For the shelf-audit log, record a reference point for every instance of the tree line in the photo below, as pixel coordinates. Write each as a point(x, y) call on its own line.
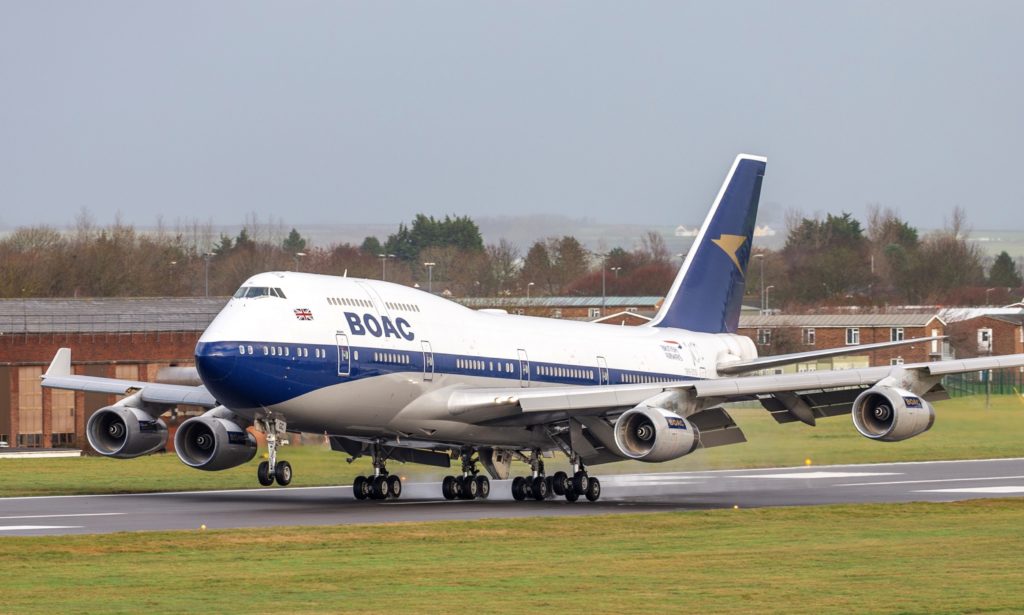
point(832, 260)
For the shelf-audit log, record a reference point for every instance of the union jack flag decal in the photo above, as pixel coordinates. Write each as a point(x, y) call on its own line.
point(304, 314)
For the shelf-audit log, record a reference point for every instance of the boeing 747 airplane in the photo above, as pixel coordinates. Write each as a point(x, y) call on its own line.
point(400, 375)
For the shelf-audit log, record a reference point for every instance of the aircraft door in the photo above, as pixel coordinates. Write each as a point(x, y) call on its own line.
point(602, 368)
point(524, 369)
point(344, 354)
point(428, 362)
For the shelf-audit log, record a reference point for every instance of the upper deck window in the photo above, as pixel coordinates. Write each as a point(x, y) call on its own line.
point(251, 292)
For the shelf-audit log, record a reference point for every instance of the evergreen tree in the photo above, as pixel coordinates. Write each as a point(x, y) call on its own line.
point(1004, 272)
point(294, 243)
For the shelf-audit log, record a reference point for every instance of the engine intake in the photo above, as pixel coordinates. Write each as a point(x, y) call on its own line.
point(890, 414)
point(654, 434)
point(123, 433)
point(212, 443)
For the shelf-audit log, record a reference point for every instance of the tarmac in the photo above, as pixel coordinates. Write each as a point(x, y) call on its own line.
point(932, 481)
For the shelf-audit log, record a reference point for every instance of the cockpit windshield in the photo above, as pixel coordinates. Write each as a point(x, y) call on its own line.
point(252, 292)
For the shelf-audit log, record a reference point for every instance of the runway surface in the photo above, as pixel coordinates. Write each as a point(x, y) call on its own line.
point(937, 481)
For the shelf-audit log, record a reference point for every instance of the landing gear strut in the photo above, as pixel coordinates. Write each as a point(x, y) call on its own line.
point(470, 484)
point(272, 469)
point(381, 485)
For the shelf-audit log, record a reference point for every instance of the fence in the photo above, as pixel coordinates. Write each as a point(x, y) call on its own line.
point(1003, 382)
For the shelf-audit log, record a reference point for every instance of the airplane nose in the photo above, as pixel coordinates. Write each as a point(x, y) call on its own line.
point(214, 363)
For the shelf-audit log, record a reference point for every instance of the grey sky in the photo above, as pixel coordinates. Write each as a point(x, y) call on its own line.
point(340, 112)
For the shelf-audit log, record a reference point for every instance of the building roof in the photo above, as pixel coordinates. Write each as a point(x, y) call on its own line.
point(108, 315)
point(967, 313)
point(558, 302)
point(835, 320)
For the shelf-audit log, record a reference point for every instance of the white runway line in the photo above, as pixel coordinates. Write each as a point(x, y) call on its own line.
point(22, 528)
point(933, 480)
point(1000, 489)
point(817, 475)
point(68, 515)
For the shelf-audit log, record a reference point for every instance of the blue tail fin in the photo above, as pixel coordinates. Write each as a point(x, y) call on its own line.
point(708, 291)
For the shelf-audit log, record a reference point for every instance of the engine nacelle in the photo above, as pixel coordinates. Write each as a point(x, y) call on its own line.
point(890, 414)
point(654, 434)
point(212, 443)
point(124, 433)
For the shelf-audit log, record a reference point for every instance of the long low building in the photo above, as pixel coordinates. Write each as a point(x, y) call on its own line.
point(116, 338)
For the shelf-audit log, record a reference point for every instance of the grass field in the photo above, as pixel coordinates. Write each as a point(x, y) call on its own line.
point(964, 429)
point(908, 558)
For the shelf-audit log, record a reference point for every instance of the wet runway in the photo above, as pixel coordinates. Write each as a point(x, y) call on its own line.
point(936, 481)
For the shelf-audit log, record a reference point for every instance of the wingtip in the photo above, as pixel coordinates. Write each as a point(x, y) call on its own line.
point(61, 364)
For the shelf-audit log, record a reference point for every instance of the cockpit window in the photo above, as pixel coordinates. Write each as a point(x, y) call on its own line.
point(251, 292)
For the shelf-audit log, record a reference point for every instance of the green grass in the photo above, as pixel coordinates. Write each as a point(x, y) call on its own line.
point(964, 429)
point(908, 558)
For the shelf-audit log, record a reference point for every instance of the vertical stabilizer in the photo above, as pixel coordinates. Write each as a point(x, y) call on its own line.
point(708, 291)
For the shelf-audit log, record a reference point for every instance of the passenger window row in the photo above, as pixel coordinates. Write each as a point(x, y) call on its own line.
point(392, 357)
point(282, 351)
point(345, 301)
point(566, 372)
point(408, 307)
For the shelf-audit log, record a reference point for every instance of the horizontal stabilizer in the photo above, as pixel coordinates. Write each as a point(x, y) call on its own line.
point(753, 365)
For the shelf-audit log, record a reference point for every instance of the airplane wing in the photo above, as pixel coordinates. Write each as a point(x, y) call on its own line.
point(59, 376)
point(789, 397)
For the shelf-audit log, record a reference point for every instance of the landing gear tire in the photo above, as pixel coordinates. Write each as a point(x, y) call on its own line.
point(361, 488)
point(559, 482)
point(283, 473)
point(571, 495)
point(468, 487)
point(380, 487)
point(580, 482)
point(263, 474)
point(593, 490)
point(483, 487)
point(519, 488)
point(394, 487)
point(540, 488)
point(448, 488)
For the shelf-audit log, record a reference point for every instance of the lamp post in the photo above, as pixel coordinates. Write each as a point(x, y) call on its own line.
point(616, 270)
point(528, 290)
point(987, 291)
point(760, 257)
point(767, 290)
point(384, 265)
point(206, 276)
point(430, 276)
point(298, 255)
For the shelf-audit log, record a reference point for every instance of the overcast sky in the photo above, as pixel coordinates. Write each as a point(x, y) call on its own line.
point(342, 112)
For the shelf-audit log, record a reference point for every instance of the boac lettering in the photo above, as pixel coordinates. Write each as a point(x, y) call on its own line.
point(384, 327)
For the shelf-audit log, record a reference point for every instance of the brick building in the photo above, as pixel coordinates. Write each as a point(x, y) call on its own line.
point(114, 338)
point(988, 334)
point(786, 333)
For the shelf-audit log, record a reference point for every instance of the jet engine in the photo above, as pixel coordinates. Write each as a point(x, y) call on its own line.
point(213, 443)
point(890, 414)
point(654, 434)
point(124, 433)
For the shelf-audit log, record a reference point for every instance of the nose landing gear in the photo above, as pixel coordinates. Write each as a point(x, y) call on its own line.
point(273, 470)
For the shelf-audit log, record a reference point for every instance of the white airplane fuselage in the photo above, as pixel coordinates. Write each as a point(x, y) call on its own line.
point(366, 358)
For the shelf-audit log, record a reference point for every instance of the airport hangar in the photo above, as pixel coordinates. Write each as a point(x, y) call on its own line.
point(139, 338)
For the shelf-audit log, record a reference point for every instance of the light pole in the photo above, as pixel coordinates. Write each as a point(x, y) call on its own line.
point(760, 257)
point(298, 255)
point(430, 276)
point(987, 291)
point(767, 290)
point(528, 290)
point(384, 265)
point(616, 270)
point(206, 277)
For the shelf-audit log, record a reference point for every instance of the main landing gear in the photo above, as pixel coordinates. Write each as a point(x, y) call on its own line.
point(541, 487)
point(272, 469)
point(381, 485)
point(470, 484)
